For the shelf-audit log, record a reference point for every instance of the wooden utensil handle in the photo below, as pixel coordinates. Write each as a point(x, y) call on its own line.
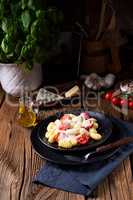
point(114, 145)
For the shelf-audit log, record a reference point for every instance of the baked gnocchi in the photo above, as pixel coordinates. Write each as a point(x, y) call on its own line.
point(72, 130)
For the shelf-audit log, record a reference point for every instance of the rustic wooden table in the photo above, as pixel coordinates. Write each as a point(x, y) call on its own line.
point(19, 163)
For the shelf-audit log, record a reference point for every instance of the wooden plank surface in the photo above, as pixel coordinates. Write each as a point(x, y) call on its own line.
point(19, 163)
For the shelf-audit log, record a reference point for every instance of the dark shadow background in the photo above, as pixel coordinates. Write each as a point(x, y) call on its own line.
point(64, 65)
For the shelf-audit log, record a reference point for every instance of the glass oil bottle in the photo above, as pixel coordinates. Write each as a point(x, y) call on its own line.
point(26, 117)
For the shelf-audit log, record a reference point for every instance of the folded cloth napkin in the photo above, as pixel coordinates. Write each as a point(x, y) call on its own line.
point(84, 179)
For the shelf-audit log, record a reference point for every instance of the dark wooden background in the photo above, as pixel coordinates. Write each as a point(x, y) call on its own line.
point(64, 67)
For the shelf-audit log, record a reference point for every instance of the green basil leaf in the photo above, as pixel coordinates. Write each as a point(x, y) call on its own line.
point(40, 14)
point(31, 5)
point(23, 4)
point(26, 19)
point(35, 28)
point(24, 51)
point(7, 44)
point(7, 26)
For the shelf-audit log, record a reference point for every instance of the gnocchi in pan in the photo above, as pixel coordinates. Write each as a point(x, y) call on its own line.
point(72, 130)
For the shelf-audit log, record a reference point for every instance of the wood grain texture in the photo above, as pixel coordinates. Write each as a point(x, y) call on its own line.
point(19, 163)
point(15, 159)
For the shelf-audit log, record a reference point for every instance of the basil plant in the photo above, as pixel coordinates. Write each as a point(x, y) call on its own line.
point(29, 29)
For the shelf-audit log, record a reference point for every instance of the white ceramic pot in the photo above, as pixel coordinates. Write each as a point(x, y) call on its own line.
point(13, 78)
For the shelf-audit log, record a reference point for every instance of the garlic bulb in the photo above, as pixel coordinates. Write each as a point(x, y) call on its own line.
point(109, 80)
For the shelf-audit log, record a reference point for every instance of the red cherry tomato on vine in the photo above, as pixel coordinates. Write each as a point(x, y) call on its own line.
point(124, 102)
point(130, 104)
point(108, 96)
point(83, 139)
point(115, 101)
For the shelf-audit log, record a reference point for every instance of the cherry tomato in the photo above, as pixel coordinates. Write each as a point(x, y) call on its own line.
point(130, 104)
point(124, 102)
point(115, 101)
point(83, 139)
point(64, 127)
point(108, 96)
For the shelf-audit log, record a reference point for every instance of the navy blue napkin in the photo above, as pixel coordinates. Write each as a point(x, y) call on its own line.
point(84, 179)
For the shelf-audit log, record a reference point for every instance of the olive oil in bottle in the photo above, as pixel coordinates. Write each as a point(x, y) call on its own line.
point(26, 117)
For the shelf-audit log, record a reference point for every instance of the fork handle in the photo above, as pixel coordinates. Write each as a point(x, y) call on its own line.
point(114, 145)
